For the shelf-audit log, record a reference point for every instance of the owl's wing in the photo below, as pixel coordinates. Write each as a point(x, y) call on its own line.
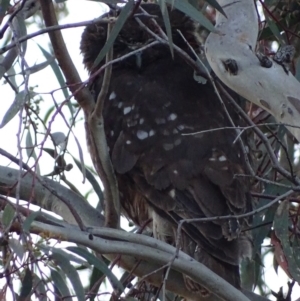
point(161, 129)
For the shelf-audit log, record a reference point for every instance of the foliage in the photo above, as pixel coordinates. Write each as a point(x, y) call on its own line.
point(43, 257)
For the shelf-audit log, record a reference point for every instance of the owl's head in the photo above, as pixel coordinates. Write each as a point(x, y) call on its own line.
point(133, 36)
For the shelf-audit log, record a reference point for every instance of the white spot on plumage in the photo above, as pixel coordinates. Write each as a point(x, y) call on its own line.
point(222, 158)
point(112, 133)
point(151, 133)
point(172, 193)
point(120, 105)
point(142, 120)
point(175, 171)
point(141, 134)
point(180, 127)
point(212, 159)
point(166, 132)
point(126, 110)
point(112, 95)
point(172, 116)
point(128, 142)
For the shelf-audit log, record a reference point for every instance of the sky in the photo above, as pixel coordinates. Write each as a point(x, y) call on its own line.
point(46, 82)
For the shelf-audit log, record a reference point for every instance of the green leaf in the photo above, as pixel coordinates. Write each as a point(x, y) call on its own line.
point(28, 221)
point(250, 271)
point(48, 114)
point(8, 215)
point(11, 73)
point(217, 6)
point(50, 152)
point(83, 170)
point(64, 263)
point(95, 282)
point(61, 285)
point(90, 177)
point(17, 248)
point(281, 228)
point(26, 285)
point(125, 13)
point(20, 30)
point(274, 28)
point(3, 8)
point(40, 288)
point(16, 106)
point(59, 77)
point(99, 265)
point(192, 12)
point(263, 221)
point(39, 67)
point(166, 19)
point(63, 253)
point(30, 151)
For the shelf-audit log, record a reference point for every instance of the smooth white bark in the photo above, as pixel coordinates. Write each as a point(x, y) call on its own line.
point(270, 88)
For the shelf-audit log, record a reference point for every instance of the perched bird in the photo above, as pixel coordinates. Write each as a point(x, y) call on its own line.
point(170, 162)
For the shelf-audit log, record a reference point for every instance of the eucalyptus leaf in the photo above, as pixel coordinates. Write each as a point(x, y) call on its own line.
point(16, 247)
point(64, 263)
point(20, 99)
point(125, 13)
point(281, 228)
point(28, 221)
point(192, 12)
point(60, 284)
point(8, 215)
point(99, 265)
point(26, 284)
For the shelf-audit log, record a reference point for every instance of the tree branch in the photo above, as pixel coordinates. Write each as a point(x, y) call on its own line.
point(83, 96)
point(103, 162)
point(94, 125)
point(234, 40)
point(190, 266)
point(38, 194)
point(134, 244)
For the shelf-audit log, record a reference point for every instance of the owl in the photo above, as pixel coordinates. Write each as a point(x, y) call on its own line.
point(173, 147)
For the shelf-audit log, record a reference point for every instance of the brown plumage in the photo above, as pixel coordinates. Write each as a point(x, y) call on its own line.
point(153, 101)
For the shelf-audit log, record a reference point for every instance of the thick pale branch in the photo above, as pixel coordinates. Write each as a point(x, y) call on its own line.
point(37, 194)
point(235, 40)
point(119, 242)
point(189, 267)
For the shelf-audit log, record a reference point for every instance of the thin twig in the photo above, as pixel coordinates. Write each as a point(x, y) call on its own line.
point(102, 159)
point(55, 28)
point(262, 137)
point(66, 201)
point(83, 95)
